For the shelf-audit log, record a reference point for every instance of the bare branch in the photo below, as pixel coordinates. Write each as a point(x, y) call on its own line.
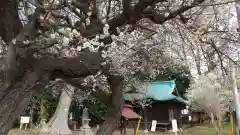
point(82, 6)
point(159, 18)
point(120, 19)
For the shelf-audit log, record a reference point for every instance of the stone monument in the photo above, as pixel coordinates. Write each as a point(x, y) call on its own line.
point(85, 129)
point(43, 125)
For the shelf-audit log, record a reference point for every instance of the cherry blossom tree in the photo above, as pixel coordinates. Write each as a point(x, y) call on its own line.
point(208, 95)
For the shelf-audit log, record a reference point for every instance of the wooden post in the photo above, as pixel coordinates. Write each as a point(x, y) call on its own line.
point(21, 125)
point(26, 126)
point(145, 119)
point(121, 125)
point(125, 131)
point(235, 89)
point(236, 99)
point(134, 129)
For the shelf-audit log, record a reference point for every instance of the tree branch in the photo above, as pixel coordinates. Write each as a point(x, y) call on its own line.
point(98, 94)
point(159, 18)
point(127, 8)
point(87, 63)
point(26, 33)
point(82, 6)
point(121, 19)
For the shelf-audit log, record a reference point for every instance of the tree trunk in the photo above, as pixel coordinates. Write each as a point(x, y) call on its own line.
point(10, 24)
point(220, 126)
point(59, 121)
point(217, 124)
point(11, 107)
point(115, 109)
point(16, 98)
point(196, 59)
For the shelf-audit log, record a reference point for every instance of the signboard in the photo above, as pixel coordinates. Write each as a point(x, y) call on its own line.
point(174, 125)
point(189, 118)
point(24, 120)
point(154, 124)
point(185, 111)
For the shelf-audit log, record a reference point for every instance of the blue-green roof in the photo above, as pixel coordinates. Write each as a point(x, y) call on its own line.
point(160, 91)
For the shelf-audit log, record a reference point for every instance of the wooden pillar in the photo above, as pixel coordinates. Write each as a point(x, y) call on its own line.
point(121, 125)
point(21, 126)
point(180, 123)
point(135, 128)
point(26, 126)
point(145, 119)
point(125, 123)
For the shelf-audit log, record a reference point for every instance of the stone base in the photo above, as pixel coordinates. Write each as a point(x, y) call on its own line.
point(86, 131)
point(145, 131)
point(44, 128)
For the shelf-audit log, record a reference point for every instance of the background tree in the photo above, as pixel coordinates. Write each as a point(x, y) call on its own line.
point(208, 95)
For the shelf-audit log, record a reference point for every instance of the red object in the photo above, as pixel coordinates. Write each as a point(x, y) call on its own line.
point(128, 113)
point(127, 106)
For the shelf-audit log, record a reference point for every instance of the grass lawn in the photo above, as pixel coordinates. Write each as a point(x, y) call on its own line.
point(196, 130)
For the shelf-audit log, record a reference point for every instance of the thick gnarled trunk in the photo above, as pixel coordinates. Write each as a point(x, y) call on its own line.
point(16, 98)
point(115, 109)
point(10, 24)
point(11, 107)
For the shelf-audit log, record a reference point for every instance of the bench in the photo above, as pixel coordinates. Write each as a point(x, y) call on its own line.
point(160, 126)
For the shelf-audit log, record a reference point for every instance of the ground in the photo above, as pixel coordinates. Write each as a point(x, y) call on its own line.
point(196, 130)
